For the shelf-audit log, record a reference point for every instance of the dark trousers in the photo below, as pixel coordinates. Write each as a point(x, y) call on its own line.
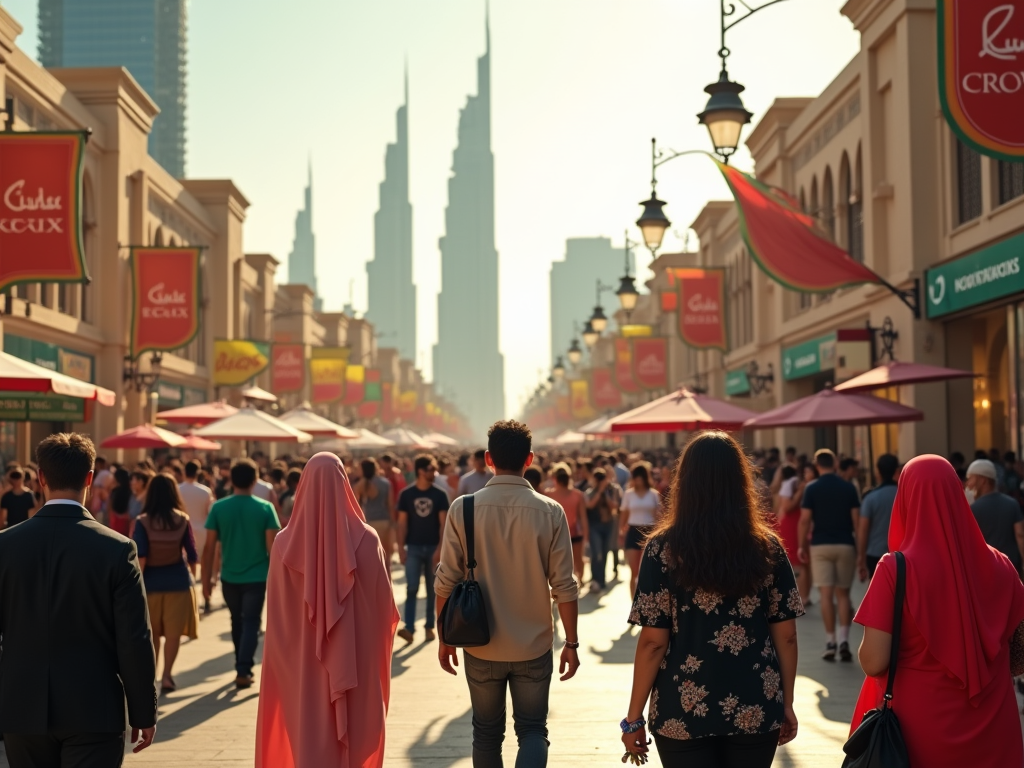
point(602, 543)
point(65, 750)
point(740, 751)
point(245, 603)
point(419, 563)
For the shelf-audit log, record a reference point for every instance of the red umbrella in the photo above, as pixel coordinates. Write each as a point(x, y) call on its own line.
point(682, 411)
point(894, 374)
point(830, 408)
point(197, 443)
point(17, 375)
point(145, 436)
point(207, 413)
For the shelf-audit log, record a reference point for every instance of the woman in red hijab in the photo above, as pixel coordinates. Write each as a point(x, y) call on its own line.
point(331, 621)
point(953, 695)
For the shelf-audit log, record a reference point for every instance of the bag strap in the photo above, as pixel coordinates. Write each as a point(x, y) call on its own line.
point(897, 623)
point(467, 519)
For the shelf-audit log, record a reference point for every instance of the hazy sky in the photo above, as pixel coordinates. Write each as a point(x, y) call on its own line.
point(579, 88)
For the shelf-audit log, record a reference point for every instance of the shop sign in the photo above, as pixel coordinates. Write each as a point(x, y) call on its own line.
point(606, 395)
point(624, 367)
point(165, 298)
point(702, 308)
point(737, 383)
point(355, 384)
point(19, 407)
point(288, 368)
point(236, 361)
point(579, 392)
point(984, 276)
point(171, 395)
point(75, 364)
point(194, 396)
point(51, 357)
point(981, 73)
point(650, 362)
point(809, 358)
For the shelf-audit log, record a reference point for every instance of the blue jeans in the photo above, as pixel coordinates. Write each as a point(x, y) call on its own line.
point(602, 540)
point(529, 682)
point(419, 562)
point(245, 603)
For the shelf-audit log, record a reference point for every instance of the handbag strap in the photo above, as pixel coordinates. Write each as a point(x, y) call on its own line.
point(467, 519)
point(897, 623)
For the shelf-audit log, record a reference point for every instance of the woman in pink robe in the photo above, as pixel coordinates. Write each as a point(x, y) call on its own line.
point(331, 621)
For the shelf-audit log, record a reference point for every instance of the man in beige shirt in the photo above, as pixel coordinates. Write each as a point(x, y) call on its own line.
point(524, 562)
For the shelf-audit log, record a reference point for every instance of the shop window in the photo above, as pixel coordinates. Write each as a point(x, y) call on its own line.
point(968, 183)
point(1011, 181)
point(990, 362)
point(741, 302)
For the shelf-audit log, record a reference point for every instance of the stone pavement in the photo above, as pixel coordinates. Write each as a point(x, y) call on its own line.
point(207, 724)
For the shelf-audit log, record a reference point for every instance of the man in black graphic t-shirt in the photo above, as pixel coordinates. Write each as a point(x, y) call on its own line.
point(422, 509)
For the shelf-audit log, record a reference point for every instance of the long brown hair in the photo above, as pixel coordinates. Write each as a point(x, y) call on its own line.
point(162, 501)
point(714, 527)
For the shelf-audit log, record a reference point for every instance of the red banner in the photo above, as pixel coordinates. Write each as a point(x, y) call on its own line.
point(702, 308)
point(624, 367)
point(981, 73)
point(603, 392)
point(368, 410)
point(650, 362)
point(387, 408)
point(669, 301)
point(355, 384)
point(287, 368)
point(165, 298)
point(40, 208)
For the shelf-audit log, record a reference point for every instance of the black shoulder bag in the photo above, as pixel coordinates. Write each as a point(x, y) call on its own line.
point(878, 741)
point(463, 619)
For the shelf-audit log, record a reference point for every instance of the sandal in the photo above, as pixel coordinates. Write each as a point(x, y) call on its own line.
point(168, 687)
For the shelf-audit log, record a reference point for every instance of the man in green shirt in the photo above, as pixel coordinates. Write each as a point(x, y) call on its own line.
point(245, 526)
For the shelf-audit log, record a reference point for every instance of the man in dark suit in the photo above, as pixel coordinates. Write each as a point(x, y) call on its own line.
point(74, 627)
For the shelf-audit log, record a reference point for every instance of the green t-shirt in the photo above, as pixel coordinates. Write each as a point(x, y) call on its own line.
point(241, 523)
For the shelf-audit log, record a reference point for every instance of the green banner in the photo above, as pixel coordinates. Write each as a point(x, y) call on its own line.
point(737, 383)
point(984, 276)
point(16, 406)
point(809, 358)
point(51, 357)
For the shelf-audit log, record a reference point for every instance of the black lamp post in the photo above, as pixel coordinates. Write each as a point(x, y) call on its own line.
point(590, 336)
point(627, 292)
point(598, 320)
point(142, 381)
point(558, 371)
point(575, 353)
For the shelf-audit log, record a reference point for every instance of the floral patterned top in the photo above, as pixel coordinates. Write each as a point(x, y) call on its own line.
point(721, 675)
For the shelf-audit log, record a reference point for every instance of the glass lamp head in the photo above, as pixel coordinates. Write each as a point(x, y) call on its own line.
point(559, 370)
point(627, 294)
point(598, 321)
point(725, 115)
point(653, 222)
point(575, 354)
point(590, 336)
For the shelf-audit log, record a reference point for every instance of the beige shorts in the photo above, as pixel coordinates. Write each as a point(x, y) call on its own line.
point(174, 614)
point(833, 565)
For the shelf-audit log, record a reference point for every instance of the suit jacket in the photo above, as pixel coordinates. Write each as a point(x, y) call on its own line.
point(75, 640)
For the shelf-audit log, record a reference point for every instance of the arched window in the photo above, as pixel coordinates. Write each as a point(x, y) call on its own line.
point(803, 200)
point(828, 204)
point(84, 309)
point(854, 193)
point(158, 238)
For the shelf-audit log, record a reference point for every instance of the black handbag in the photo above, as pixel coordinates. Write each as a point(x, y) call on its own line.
point(878, 741)
point(463, 618)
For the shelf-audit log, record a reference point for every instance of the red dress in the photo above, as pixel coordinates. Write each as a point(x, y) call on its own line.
point(789, 529)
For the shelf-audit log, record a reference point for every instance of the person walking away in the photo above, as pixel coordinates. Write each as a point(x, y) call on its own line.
point(422, 509)
point(331, 621)
point(575, 505)
point(388, 465)
point(962, 613)
point(374, 495)
point(999, 516)
point(601, 522)
point(534, 477)
point(717, 604)
point(99, 491)
point(265, 490)
point(875, 513)
point(849, 470)
point(222, 487)
point(162, 532)
point(118, 517)
point(197, 499)
point(474, 481)
point(787, 512)
point(516, 531)
point(832, 506)
point(17, 505)
point(622, 471)
point(77, 650)
point(245, 526)
point(638, 514)
point(139, 483)
point(287, 497)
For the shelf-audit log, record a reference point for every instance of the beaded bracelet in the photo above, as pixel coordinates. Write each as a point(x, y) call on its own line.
point(636, 725)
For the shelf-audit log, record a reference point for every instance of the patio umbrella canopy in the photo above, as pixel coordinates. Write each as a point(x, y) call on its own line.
point(600, 427)
point(250, 424)
point(308, 420)
point(406, 438)
point(682, 411)
point(442, 440)
point(207, 413)
point(197, 443)
point(144, 436)
point(17, 375)
point(368, 441)
point(830, 408)
point(258, 393)
point(895, 374)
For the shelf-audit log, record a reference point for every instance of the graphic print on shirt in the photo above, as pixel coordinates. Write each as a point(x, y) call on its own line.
point(424, 506)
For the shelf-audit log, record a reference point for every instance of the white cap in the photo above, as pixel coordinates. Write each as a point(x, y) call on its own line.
point(982, 468)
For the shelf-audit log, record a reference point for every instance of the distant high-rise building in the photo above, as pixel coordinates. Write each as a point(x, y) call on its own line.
point(302, 259)
point(469, 369)
point(392, 295)
point(148, 37)
point(574, 286)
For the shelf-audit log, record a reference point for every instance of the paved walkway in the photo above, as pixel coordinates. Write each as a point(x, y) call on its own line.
point(207, 724)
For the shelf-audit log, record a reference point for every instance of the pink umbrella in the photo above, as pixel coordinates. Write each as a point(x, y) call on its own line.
point(207, 413)
point(830, 408)
point(145, 436)
point(682, 411)
point(197, 443)
point(895, 374)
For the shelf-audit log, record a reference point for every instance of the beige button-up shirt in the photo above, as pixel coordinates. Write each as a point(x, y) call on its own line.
point(524, 562)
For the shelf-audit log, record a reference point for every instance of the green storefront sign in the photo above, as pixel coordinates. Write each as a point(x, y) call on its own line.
point(809, 358)
point(15, 406)
point(987, 275)
point(169, 395)
point(737, 383)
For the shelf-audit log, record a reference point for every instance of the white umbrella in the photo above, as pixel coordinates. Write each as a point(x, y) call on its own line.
point(308, 420)
point(569, 437)
point(250, 424)
point(443, 440)
point(258, 393)
point(406, 438)
point(368, 441)
point(17, 375)
point(601, 426)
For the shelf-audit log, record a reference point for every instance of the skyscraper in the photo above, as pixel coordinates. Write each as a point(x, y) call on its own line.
point(392, 295)
point(148, 37)
point(469, 369)
point(302, 259)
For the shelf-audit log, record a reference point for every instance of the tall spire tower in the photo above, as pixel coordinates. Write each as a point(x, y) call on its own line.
point(302, 259)
point(468, 366)
point(392, 295)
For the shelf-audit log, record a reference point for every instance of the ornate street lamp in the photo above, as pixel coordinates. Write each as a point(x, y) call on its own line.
point(653, 222)
point(142, 381)
point(590, 336)
point(559, 370)
point(627, 292)
point(575, 354)
point(598, 320)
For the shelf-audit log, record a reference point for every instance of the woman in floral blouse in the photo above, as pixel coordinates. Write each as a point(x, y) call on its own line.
point(717, 605)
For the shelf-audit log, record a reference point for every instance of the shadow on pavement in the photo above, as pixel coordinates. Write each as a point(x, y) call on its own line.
point(450, 746)
point(202, 673)
point(401, 655)
point(199, 711)
point(622, 650)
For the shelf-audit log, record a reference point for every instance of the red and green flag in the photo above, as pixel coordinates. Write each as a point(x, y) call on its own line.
point(355, 381)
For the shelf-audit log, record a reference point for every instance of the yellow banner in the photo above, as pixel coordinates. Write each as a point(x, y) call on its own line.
point(237, 361)
point(630, 331)
point(330, 353)
point(407, 402)
point(580, 399)
point(327, 376)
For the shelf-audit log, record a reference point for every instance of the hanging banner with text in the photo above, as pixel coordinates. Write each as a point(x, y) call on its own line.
point(603, 392)
point(327, 373)
point(41, 208)
point(650, 362)
point(165, 298)
point(623, 367)
point(287, 368)
point(355, 378)
point(237, 361)
point(981, 73)
point(579, 395)
point(702, 308)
